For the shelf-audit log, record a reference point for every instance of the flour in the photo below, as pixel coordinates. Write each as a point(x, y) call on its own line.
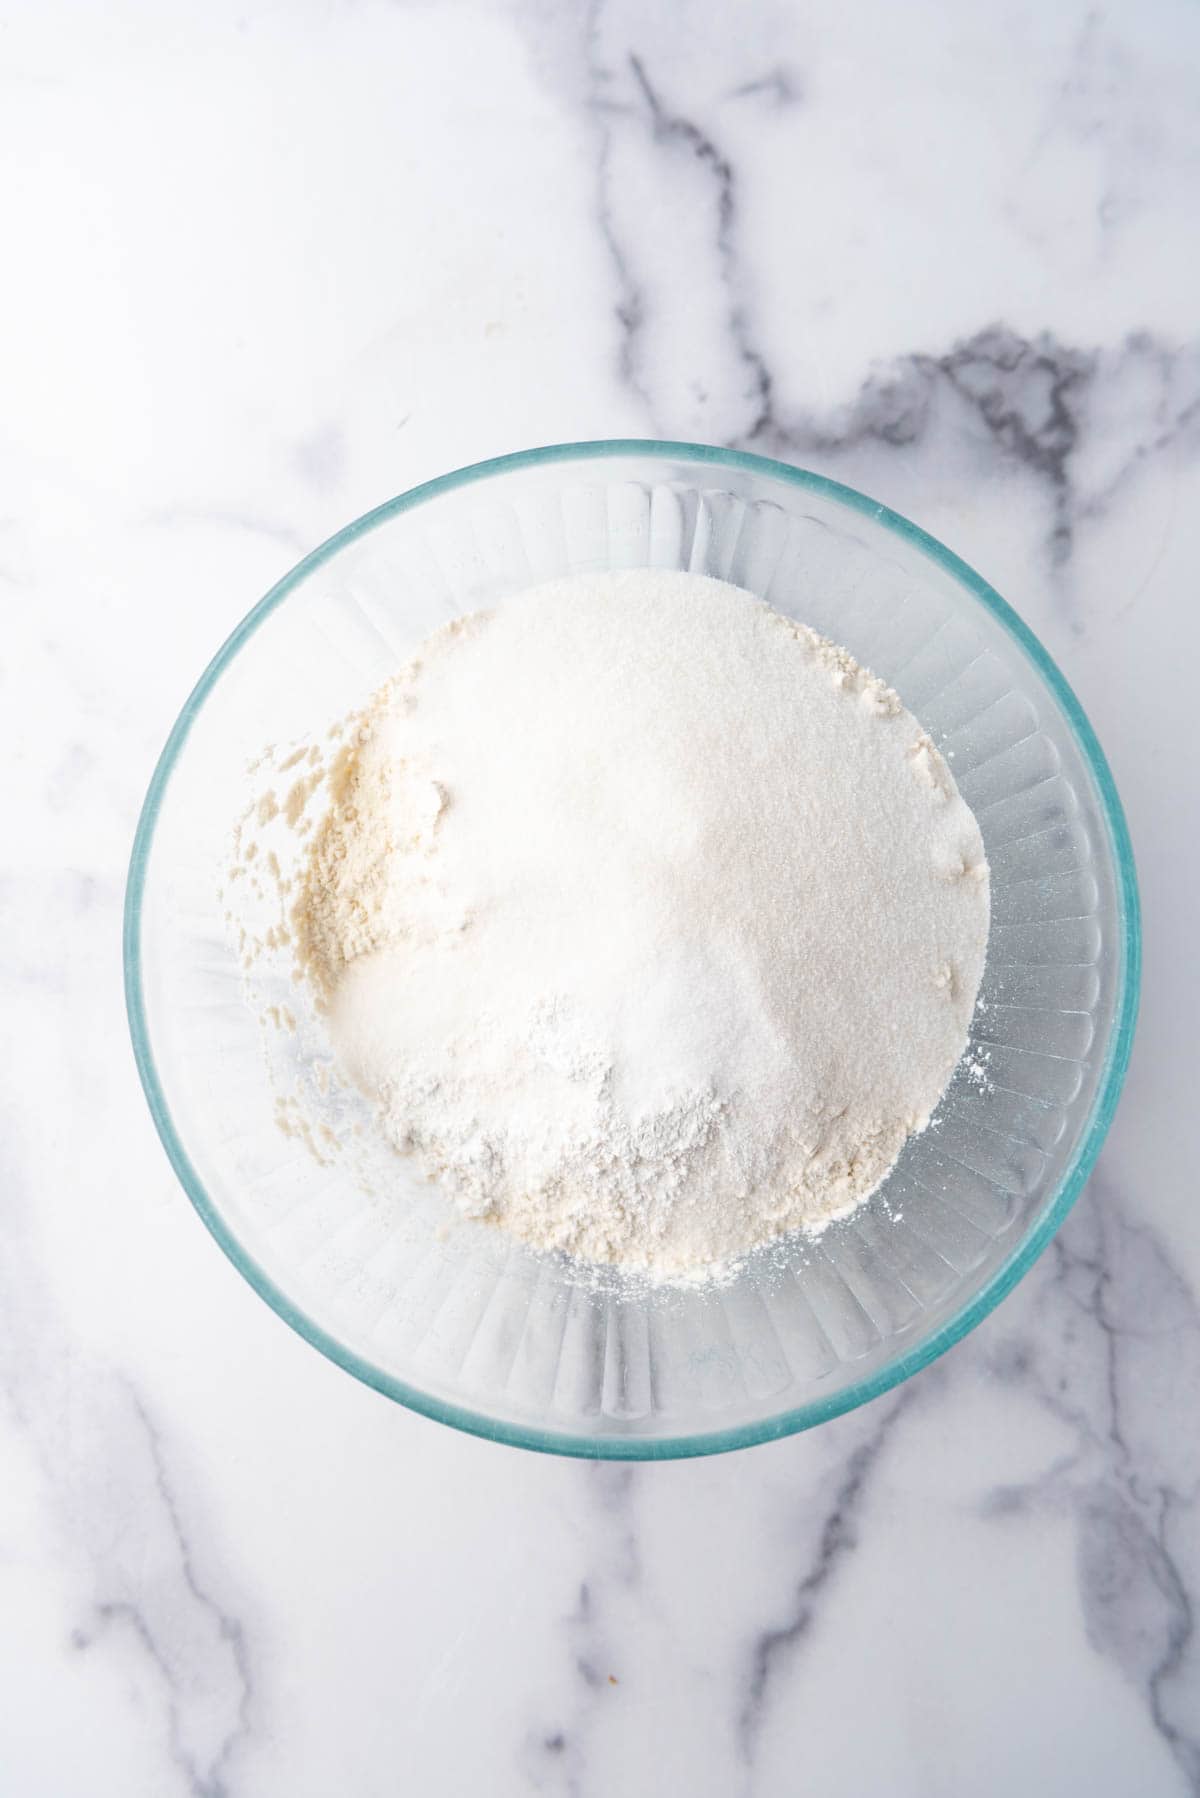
point(652, 923)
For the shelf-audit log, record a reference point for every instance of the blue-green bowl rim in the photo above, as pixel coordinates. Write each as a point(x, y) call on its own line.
point(820, 1410)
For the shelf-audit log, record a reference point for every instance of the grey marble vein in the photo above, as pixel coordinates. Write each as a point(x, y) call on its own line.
point(1034, 403)
point(1028, 397)
point(692, 172)
point(1139, 1613)
point(775, 1647)
point(104, 1470)
point(555, 1755)
point(675, 133)
point(1157, 386)
point(779, 87)
point(233, 518)
point(1110, 1303)
point(209, 1776)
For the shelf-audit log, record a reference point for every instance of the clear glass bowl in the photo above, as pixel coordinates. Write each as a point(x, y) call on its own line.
point(467, 1326)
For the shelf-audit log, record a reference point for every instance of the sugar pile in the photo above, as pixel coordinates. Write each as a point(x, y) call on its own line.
point(650, 920)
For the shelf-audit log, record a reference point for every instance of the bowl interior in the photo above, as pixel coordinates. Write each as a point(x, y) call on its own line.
point(341, 1236)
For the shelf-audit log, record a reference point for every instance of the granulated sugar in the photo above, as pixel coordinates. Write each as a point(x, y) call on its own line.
point(651, 921)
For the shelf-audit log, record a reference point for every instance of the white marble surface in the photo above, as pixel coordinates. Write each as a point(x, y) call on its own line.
point(267, 264)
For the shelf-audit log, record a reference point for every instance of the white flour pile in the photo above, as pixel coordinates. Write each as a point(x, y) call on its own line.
point(653, 923)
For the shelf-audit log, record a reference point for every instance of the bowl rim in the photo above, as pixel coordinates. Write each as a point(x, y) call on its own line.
point(1024, 1253)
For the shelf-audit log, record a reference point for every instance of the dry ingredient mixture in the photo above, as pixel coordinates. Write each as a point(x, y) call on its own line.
point(650, 920)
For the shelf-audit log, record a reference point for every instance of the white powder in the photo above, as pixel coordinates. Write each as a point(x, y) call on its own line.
point(653, 923)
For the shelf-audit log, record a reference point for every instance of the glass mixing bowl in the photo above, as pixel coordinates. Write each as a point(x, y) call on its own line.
point(466, 1325)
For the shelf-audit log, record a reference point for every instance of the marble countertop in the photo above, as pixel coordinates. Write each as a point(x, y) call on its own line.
point(267, 265)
